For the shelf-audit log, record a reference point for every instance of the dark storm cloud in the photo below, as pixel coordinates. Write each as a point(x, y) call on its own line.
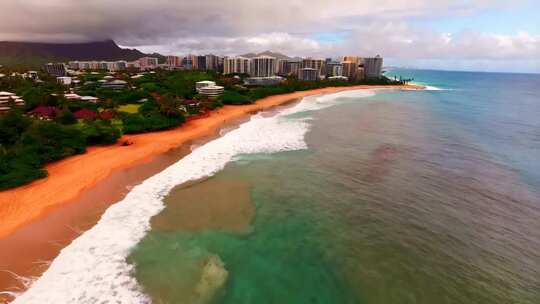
point(293, 26)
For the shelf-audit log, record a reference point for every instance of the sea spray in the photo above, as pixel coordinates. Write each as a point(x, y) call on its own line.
point(93, 267)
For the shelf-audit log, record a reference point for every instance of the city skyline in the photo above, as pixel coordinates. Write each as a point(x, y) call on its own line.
point(463, 35)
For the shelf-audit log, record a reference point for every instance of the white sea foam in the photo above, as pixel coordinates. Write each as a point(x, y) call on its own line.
point(433, 88)
point(93, 268)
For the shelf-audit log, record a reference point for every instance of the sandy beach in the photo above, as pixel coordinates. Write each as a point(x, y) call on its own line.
point(41, 218)
point(68, 178)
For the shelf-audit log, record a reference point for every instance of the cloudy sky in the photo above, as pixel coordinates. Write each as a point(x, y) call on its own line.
point(485, 35)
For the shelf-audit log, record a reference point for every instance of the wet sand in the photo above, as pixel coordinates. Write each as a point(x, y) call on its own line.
point(224, 205)
point(34, 228)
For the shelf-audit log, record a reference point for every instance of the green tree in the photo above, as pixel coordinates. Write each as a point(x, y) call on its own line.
point(12, 125)
point(66, 117)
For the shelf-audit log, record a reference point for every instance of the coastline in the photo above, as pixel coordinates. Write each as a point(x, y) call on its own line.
point(40, 239)
point(72, 176)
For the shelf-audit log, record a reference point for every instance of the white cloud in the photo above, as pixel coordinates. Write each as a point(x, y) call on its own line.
point(236, 26)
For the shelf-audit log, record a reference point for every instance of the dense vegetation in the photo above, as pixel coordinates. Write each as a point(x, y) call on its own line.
point(27, 144)
point(50, 128)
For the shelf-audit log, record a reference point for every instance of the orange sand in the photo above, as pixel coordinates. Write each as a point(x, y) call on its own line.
point(71, 176)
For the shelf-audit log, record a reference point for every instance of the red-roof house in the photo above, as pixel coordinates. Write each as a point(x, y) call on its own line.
point(107, 114)
point(85, 114)
point(44, 112)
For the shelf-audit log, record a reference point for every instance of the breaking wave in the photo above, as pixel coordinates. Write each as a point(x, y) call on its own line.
point(93, 268)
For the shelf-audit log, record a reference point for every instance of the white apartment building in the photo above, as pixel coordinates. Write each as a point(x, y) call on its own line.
point(373, 67)
point(236, 65)
point(263, 66)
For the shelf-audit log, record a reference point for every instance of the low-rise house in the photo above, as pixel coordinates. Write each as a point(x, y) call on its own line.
point(32, 75)
point(44, 112)
point(263, 81)
point(72, 96)
point(211, 91)
point(107, 114)
point(204, 83)
point(91, 99)
point(9, 100)
point(64, 80)
point(115, 84)
point(191, 102)
point(85, 114)
point(338, 78)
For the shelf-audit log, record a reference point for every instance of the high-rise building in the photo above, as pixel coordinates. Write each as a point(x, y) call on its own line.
point(373, 67)
point(236, 65)
point(308, 74)
point(293, 67)
point(350, 69)
point(173, 61)
point(282, 67)
point(334, 69)
point(199, 63)
point(187, 62)
point(317, 64)
point(148, 63)
point(93, 65)
point(56, 69)
point(74, 65)
point(116, 66)
point(263, 66)
point(354, 59)
point(360, 74)
point(211, 62)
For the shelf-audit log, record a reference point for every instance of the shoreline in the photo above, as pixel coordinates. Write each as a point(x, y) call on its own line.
point(62, 217)
point(79, 173)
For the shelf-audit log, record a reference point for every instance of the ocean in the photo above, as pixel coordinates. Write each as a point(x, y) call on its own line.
point(379, 196)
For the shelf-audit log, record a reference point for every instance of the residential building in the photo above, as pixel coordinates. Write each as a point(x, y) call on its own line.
point(115, 84)
point(73, 96)
point(205, 83)
point(134, 65)
point(350, 69)
point(148, 63)
point(74, 65)
point(263, 81)
point(9, 100)
point(44, 112)
point(187, 62)
point(343, 78)
point(334, 68)
point(236, 65)
point(173, 61)
point(212, 62)
point(282, 67)
point(293, 67)
point(199, 63)
point(56, 69)
point(116, 66)
point(360, 74)
point(32, 75)
point(317, 64)
point(355, 59)
point(211, 91)
point(263, 66)
point(65, 80)
point(373, 67)
point(309, 74)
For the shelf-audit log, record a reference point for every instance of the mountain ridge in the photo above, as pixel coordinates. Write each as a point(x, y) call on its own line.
point(276, 55)
point(14, 53)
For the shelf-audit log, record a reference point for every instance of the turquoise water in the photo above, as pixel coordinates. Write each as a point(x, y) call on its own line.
point(402, 197)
